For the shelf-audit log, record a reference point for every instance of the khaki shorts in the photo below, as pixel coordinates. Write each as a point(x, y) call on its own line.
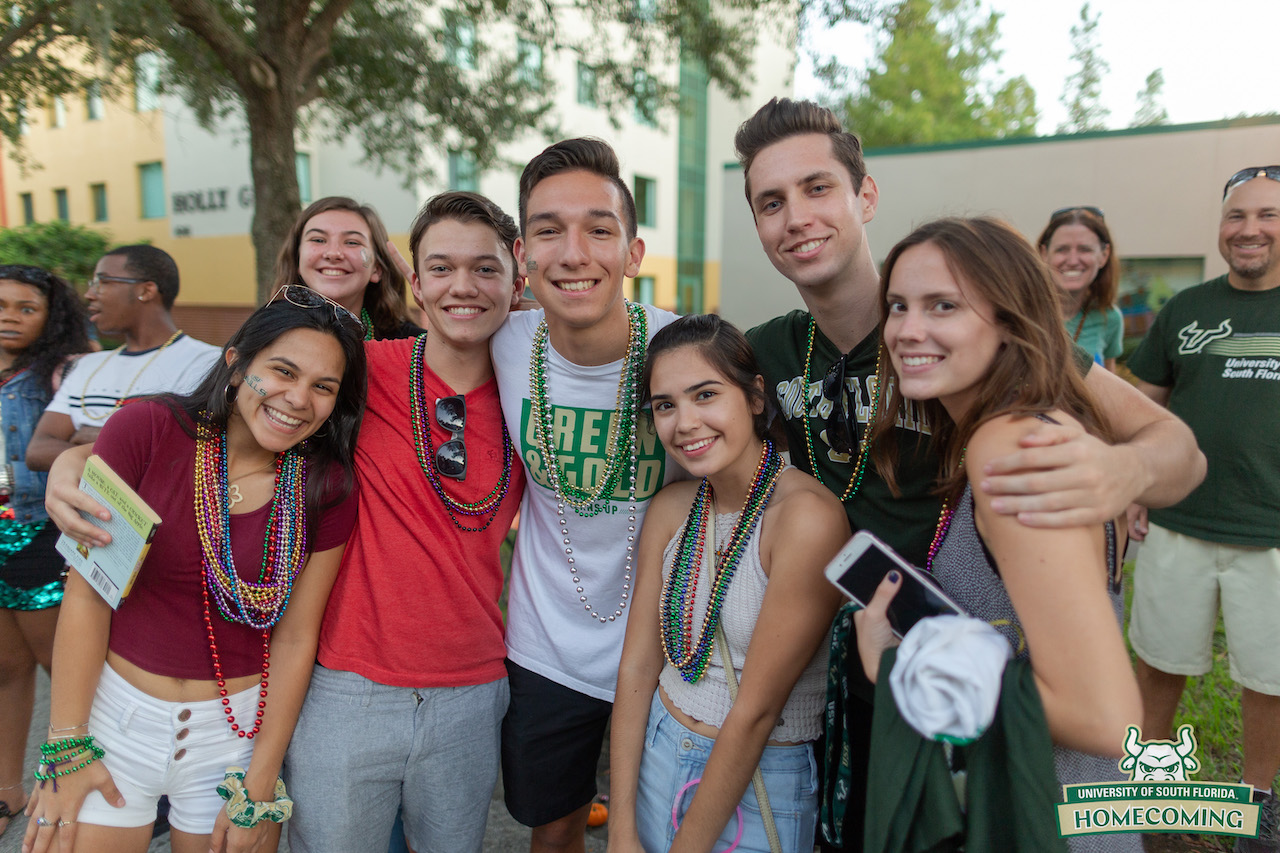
point(1178, 583)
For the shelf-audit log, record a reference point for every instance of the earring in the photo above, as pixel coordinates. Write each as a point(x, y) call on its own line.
point(228, 396)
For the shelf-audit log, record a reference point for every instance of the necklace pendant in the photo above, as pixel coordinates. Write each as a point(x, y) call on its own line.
point(233, 495)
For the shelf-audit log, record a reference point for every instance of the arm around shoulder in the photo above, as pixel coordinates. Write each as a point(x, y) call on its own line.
point(1057, 582)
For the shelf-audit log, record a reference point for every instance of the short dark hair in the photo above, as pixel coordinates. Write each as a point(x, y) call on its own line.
point(725, 348)
point(463, 207)
point(783, 118)
point(585, 154)
point(151, 264)
point(332, 449)
point(383, 299)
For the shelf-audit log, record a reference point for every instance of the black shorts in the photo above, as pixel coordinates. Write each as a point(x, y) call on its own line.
point(551, 741)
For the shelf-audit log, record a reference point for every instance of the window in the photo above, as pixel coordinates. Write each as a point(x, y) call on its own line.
point(61, 205)
point(644, 289)
point(23, 127)
point(93, 102)
point(146, 82)
point(460, 40)
point(151, 188)
point(302, 164)
point(57, 112)
point(586, 84)
point(463, 174)
point(646, 193)
point(646, 98)
point(1146, 284)
point(28, 209)
point(529, 63)
point(98, 192)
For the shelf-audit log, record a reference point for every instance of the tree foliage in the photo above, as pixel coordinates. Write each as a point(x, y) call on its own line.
point(1151, 110)
point(397, 76)
point(931, 80)
point(1082, 95)
point(71, 251)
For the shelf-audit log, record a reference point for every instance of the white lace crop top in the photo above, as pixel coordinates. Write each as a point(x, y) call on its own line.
point(708, 700)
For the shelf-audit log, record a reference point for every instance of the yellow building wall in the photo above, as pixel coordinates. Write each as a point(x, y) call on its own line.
point(663, 271)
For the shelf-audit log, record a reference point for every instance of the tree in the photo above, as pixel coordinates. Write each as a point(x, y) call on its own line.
point(403, 75)
point(929, 81)
point(71, 251)
point(1082, 95)
point(1150, 110)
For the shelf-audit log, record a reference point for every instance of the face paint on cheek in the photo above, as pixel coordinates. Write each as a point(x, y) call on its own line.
point(532, 265)
point(365, 258)
point(255, 382)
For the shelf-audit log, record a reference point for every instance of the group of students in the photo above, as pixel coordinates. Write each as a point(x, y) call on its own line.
point(359, 653)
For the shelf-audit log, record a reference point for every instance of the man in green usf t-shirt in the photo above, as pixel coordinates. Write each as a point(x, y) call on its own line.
point(1213, 357)
point(810, 198)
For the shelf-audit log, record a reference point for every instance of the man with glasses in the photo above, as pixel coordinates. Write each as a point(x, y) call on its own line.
point(1213, 357)
point(810, 197)
point(130, 296)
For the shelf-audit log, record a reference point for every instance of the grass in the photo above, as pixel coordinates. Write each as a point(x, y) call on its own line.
point(1211, 704)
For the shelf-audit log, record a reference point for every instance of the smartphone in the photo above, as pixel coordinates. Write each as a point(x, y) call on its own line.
point(863, 563)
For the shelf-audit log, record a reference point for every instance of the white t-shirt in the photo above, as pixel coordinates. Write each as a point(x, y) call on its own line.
point(548, 629)
point(99, 380)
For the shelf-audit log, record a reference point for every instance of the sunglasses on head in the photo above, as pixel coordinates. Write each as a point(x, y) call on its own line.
point(1245, 175)
point(838, 423)
point(1087, 208)
point(304, 297)
point(451, 456)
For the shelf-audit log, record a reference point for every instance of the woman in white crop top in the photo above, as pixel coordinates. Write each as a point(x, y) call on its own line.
point(682, 749)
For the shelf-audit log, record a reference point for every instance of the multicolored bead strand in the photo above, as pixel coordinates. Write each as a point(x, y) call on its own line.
point(284, 550)
point(622, 433)
point(256, 604)
point(944, 524)
point(421, 421)
point(679, 588)
point(864, 448)
point(622, 427)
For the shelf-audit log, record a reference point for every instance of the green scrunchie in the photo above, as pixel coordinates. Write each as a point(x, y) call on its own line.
point(248, 813)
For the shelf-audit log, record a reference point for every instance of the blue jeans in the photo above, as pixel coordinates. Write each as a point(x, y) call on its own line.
point(674, 756)
point(363, 750)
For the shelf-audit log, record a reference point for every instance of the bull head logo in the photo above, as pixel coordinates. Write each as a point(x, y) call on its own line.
point(1160, 760)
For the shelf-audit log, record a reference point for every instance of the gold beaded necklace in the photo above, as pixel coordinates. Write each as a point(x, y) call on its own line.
point(84, 392)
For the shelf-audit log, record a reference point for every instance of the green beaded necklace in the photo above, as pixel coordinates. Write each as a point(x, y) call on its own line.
point(864, 450)
point(622, 433)
point(368, 324)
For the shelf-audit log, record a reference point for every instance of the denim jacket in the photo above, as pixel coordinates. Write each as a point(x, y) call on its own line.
point(22, 402)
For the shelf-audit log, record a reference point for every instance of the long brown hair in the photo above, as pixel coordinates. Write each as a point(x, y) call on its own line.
point(384, 298)
point(1105, 286)
point(1035, 370)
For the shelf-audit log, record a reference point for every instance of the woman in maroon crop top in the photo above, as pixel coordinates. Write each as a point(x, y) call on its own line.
point(201, 670)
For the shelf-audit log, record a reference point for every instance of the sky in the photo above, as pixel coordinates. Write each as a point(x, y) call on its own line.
point(1219, 57)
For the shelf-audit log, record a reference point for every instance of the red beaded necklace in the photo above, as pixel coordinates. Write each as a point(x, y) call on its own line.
point(944, 524)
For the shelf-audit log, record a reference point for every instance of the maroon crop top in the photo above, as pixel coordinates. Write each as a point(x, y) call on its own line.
point(160, 625)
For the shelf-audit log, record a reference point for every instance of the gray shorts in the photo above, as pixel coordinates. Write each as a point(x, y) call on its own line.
point(363, 751)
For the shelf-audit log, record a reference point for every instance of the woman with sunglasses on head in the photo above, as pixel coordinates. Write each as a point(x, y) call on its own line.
point(1076, 244)
point(42, 324)
point(731, 563)
point(971, 335)
point(338, 248)
point(205, 663)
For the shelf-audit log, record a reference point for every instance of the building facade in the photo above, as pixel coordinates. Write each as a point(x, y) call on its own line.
point(142, 169)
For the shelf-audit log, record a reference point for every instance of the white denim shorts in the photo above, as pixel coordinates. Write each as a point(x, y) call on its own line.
point(154, 748)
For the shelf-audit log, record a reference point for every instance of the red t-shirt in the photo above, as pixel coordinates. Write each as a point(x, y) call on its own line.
point(416, 600)
point(160, 625)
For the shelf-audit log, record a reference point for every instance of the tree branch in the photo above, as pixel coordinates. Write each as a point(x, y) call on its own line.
point(241, 63)
point(319, 41)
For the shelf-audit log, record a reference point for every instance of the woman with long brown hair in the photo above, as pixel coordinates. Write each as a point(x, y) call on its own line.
point(1076, 244)
point(972, 337)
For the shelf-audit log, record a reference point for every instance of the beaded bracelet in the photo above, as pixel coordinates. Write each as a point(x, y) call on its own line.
point(49, 769)
point(51, 748)
point(248, 813)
